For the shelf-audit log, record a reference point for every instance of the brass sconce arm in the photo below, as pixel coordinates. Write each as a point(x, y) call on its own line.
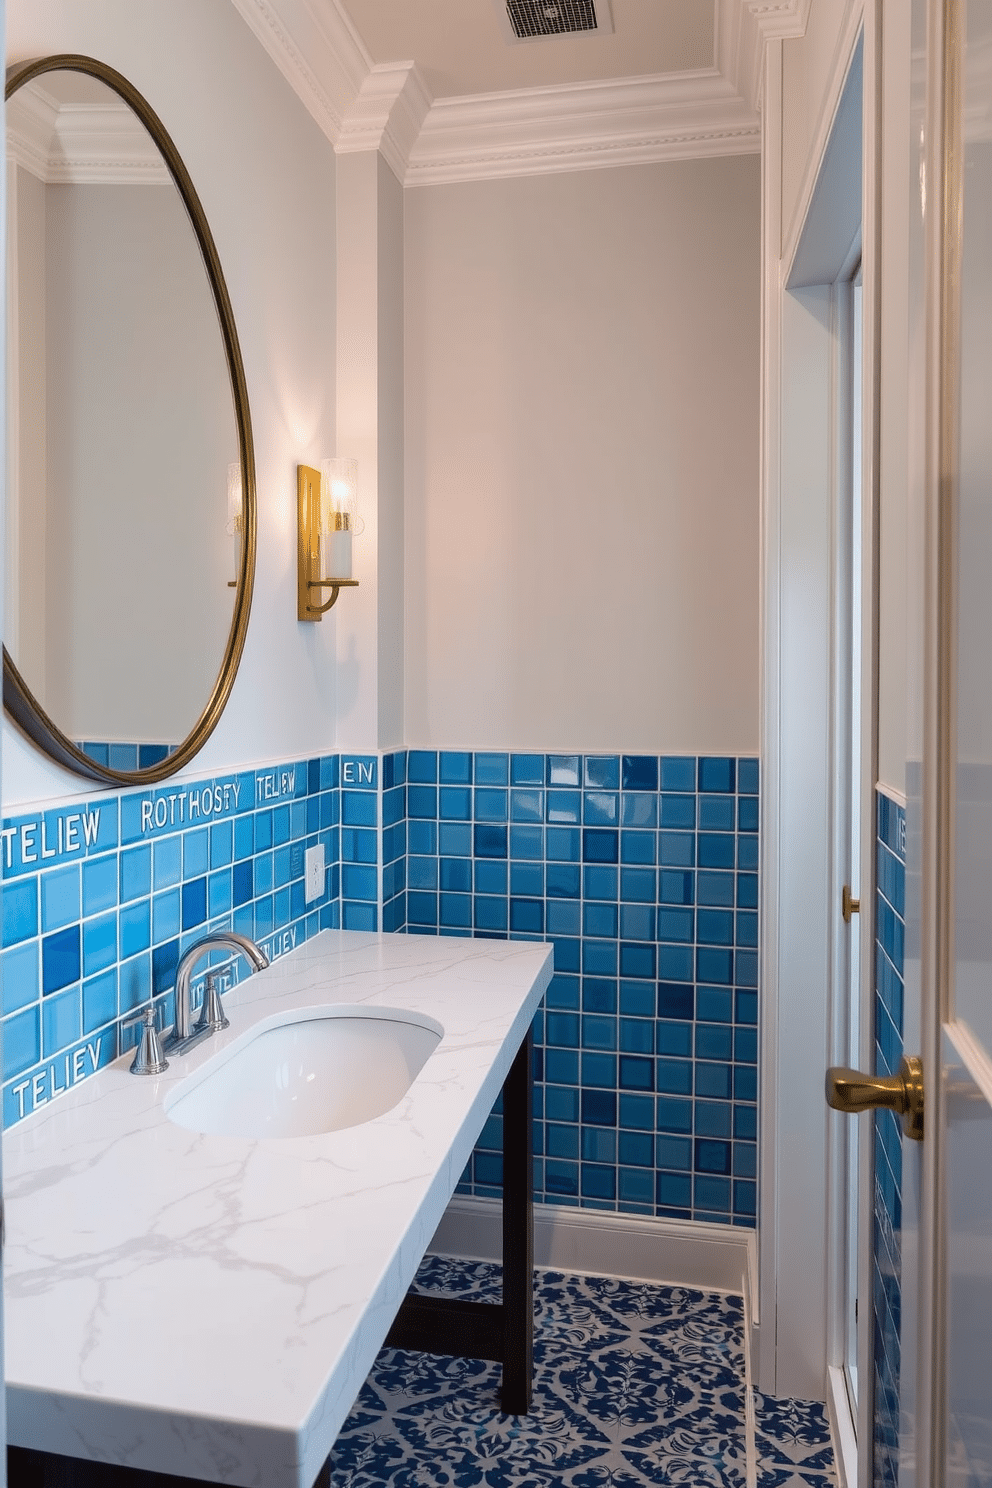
point(309, 584)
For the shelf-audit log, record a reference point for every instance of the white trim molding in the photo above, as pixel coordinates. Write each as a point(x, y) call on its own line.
point(582, 125)
point(81, 144)
point(318, 51)
point(595, 1242)
point(678, 116)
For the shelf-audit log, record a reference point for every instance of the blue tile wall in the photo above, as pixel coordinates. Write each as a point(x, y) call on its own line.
point(890, 901)
point(642, 871)
point(100, 899)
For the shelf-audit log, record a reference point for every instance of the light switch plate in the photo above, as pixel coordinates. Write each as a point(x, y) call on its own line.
point(313, 872)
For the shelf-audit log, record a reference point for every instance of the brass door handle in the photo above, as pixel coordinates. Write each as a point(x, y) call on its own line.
point(848, 904)
point(849, 1090)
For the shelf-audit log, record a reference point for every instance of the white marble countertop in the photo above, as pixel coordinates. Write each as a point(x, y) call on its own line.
point(210, 1306)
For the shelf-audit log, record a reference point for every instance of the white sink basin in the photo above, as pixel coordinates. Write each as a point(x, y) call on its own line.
point(306, 1073)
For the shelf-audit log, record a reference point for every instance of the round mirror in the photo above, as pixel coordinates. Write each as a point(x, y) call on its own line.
point(130, 481)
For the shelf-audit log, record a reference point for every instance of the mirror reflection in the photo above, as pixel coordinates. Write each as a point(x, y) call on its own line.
point(123, 516)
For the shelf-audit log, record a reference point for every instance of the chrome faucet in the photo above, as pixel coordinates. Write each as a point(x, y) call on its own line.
point(182, 1036)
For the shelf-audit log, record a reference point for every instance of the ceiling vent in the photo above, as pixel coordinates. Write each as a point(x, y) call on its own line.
point(532, 20)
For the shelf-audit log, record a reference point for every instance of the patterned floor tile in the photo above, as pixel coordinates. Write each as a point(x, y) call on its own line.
point(635, 1385)
point(792, 1439)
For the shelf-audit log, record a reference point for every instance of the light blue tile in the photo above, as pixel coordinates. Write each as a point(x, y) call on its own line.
point(168, 854)
point(21, 1042)
point(165, 916)
point(19, 973)
point(99, 1000)
point(59, 898)
point(99, 884)
point(136, 873)
point(99, 943)
point(61, 1021)
point(20, 910)
point(196, 847)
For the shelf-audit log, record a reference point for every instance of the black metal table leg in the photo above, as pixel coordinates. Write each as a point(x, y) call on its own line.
point(503, 1332)
point(518, 1234)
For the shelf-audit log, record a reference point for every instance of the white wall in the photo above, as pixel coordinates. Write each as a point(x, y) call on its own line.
point(582, 460)
point(266, 177)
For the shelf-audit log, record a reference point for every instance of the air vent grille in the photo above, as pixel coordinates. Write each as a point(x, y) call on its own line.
point(550, 17)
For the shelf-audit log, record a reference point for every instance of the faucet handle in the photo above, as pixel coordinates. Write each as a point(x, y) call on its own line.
point(149, 1059)
point(212, 1014)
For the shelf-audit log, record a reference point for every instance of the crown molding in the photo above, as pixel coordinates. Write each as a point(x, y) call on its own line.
point(387, 115)
point(743, 27)
point(359, 106)
point(79, 144)
point(318, 51)
point(582, 126)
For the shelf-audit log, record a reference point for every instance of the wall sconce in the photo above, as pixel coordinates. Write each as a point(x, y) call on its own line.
point(235, 518)
point(327, 508)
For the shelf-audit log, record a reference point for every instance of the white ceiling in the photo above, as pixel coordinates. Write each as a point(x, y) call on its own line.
point(435, 86)
point(460, 48)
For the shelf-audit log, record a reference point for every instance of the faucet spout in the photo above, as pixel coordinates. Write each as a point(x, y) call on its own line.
point(219, 939)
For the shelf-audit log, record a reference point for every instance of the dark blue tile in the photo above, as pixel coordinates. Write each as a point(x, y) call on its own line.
point(421, 801)
point(717, 774)
point(491, 915)
point(712, 1157)
point(490, 841)
point(455, 910)
point(600, 845)
point(60, 958)
point(421, 766)
point(673, 1114)
point(194, 903)
point(640, 772)
point(640, 961)
point(747, 777)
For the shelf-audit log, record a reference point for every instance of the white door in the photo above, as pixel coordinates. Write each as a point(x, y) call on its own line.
point(946, 1390)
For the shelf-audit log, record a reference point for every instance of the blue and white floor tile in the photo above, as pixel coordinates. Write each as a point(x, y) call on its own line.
point(635, 1385)
point(792, 1440)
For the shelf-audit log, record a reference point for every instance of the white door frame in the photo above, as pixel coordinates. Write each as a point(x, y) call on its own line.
point(800, 882)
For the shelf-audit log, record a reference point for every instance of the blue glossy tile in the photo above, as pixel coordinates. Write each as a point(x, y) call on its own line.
point(527, 842)
point(60, 898)
point(455, 767)
point(359, 809)
point(490, 805)
point(99, 883)
point(19, 904)
point(564, 769)
point(61, 1018)
point(421, 766)
point(455, 803)
point(60, 959)
point(168, 860)
point(527, 769)
point(454, 840)
point(136, 873)
point(195, 853)
point(716, 813)
point(639, 810)
point(99, 943)
point(99, 1001)
point(600, 845)
point(21, 1042)
point(600, 809)
point(135, 926)
point(194, 903)
point(490, 841)
point(421, 801)
point(601, 772)
point(492, 769)
point(717, 774)
point(19, 976)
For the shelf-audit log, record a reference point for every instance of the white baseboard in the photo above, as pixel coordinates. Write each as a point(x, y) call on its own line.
point(593, 1242)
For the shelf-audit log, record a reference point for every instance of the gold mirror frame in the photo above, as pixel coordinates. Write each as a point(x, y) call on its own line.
point(18, 700)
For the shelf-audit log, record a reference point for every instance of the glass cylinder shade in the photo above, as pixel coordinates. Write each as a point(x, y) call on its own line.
point(235, 513)
point(338, 516)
